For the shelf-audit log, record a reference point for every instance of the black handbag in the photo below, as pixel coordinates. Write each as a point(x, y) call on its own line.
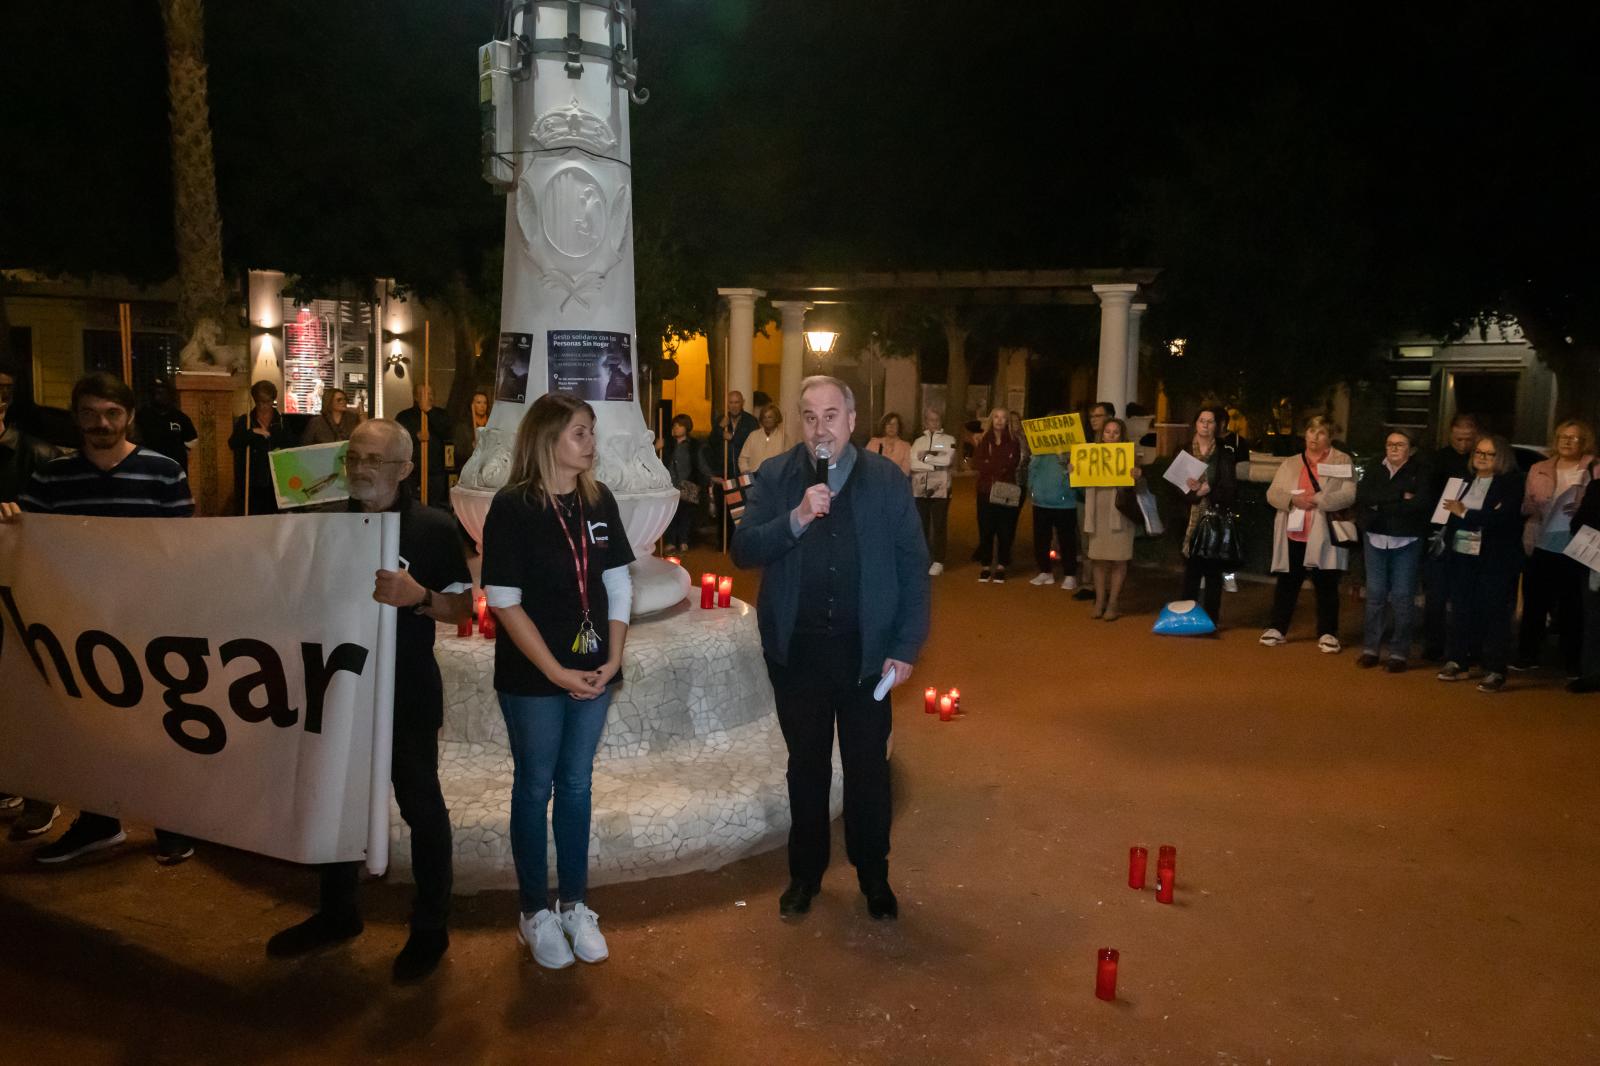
point(1217, 537)
point(1127, 501)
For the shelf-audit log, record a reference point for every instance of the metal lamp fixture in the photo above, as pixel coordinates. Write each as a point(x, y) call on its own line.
point(820, 342)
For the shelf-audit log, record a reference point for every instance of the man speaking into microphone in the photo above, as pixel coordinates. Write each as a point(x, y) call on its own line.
point(843, 607)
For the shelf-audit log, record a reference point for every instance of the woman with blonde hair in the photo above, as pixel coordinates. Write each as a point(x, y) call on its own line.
point(1311, 493)
point(1481, 541)
point(555, 571)
point(1552, 583)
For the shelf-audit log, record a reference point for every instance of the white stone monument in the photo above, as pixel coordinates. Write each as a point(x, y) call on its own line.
point(555, 100)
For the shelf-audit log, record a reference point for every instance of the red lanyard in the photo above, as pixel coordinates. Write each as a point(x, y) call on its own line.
point(581, 567)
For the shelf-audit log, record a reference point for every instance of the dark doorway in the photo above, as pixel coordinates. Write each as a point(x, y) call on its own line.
point(1491, 396)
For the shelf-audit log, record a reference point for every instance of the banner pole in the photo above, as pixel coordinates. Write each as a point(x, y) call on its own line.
point(727, 368)
point(249, 417)
point(125, 335)
point(422, 416)
point(383, 709)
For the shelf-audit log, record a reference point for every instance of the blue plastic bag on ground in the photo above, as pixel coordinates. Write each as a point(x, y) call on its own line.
point(1184, 618)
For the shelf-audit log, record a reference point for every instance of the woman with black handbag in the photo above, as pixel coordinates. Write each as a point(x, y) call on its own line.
point(685, 461)
point(1310, 492)
point(1393, 505)
point(998, 458)
point(1210, 541)
point(1110, 518)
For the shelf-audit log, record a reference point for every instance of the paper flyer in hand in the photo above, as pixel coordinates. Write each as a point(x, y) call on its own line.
point(305, 476)
point(1185, 468)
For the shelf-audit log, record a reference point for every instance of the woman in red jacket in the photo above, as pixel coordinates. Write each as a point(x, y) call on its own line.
point(998, 457)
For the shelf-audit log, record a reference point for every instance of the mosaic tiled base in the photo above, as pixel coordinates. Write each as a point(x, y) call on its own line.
point(690, 772)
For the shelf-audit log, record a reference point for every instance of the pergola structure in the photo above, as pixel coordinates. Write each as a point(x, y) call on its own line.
point(1116, 290)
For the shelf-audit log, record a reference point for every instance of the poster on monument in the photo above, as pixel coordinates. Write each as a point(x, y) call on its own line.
point(511, 368)
point(591, 364)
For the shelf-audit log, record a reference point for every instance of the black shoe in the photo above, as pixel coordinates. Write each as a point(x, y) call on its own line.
point(1084, 594)
point(796, 899)
point(1367, 660)
point(881, 903)
point(170, 851)
point(1395, 666)
point(421, 955)
point(1523, 666)
point(79, 839)
point(315, 933)
point(1585, 684)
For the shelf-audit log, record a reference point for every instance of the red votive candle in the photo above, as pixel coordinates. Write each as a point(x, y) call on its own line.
point(955, 700)
point(1164, 879)
point(725, 592)
point(1105, 974)
point(483, 615)
point(930, 700)
point(1138, 857)
point(1053, 555)
point(464, 627)
point(946, 712)
point(1168, 855)
point(708, 590)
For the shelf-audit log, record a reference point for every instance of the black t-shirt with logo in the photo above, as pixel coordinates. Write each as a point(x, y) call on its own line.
point(168, 431)
point(524, 548)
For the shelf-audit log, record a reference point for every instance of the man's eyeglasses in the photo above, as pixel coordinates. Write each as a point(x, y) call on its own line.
point(352, 461)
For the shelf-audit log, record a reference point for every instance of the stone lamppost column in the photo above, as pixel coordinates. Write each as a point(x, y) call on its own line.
point(1112, 383)
point(1135, 313)
point(792, 370)
point(741, 341)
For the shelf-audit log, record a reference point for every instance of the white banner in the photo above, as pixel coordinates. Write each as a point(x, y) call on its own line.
point(226, 678)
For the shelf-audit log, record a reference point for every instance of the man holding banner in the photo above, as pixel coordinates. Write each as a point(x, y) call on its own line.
point(432, 585)
point(111, 477)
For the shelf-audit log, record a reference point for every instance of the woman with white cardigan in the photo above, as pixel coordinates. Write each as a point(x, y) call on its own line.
point(1306, 490)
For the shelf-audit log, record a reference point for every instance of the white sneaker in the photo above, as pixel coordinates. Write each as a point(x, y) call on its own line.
point(1329, 644)
point(1069, 583)
point(1272, 638)
point(542, 934)
point(936, 569)
point(1229, 583)
point(582, 927)
point(1042, 580)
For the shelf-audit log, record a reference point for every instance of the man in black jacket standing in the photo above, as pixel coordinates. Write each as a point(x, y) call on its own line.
point(1453, 460)
point(843, 604)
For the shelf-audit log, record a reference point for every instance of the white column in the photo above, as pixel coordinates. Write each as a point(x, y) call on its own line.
point(792, 370)
point(1112, 384)
point(1135, 313)
point(741, 342)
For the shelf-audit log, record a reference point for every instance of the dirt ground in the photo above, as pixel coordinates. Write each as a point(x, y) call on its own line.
point(1371, 869)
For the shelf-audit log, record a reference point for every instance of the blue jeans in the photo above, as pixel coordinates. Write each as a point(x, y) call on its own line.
point(553, 741)
point(1391, 583)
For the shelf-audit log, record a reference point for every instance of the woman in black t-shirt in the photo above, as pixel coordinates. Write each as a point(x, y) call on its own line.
point(555, 570)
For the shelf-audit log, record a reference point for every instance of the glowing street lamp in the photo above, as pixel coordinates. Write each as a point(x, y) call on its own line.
point(820, 342)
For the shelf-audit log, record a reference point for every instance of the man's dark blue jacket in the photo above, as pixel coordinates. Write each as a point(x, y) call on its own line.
point(894, 558)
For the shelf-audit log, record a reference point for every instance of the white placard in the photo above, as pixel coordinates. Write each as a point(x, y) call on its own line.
point(1185, 468)
point(1335, 470)
point(1477, 492)
point(1452, 491)
point(1297, 520)
point(1585, 547)
point(218, 677)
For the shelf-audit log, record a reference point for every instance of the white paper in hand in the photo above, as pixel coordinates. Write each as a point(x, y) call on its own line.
point(1585, 547)
point(885, 683)
point(1297, 520)
point(1184, 468)
point(1452, 491)
point(1335, 470)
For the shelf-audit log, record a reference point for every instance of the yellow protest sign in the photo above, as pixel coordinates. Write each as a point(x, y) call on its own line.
point(1102, 465)
point(1054, 435)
